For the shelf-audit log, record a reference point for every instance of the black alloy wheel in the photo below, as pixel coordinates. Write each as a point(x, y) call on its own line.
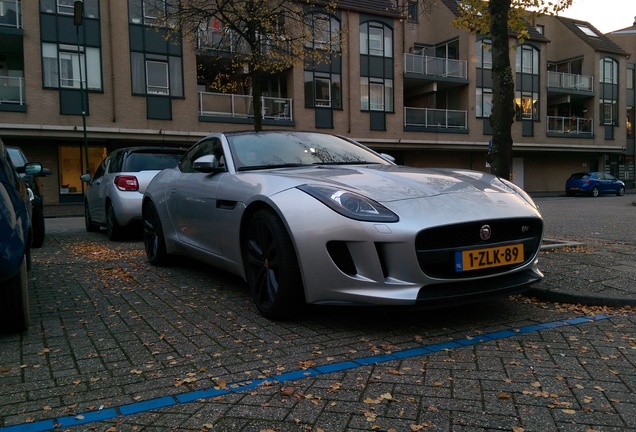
point(271, 267)
point(154, 242)
point(112, 227)
point(88, 222)
point(14, 307)
point(621, 191)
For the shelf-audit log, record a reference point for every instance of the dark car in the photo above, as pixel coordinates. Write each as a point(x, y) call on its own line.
point(113, 195)
point(20, 161)
point(15, 244)
point(593, 183)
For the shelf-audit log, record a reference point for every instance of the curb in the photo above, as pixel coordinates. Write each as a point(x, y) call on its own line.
point(586, 300)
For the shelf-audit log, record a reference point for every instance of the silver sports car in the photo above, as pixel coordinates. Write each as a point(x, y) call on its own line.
point(307, 217)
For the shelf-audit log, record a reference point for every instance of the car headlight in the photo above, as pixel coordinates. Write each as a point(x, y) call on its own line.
point(350, 204)
point(516, 189)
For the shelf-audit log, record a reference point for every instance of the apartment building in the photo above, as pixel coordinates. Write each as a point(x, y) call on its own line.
point(417, 88)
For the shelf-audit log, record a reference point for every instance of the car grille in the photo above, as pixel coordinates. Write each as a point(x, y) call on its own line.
point(436, 247)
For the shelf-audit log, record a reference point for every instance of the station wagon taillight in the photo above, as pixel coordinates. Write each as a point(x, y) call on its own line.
point(127, 183)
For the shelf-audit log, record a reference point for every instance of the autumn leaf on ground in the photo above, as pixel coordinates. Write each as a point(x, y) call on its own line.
point(306, 364)
point(334, 387)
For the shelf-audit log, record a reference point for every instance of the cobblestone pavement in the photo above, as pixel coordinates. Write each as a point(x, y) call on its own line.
point(118, 345)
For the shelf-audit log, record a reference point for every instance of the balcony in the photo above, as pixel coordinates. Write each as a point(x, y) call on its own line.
point(440, 120)
point(227, 41)
point(12, 91)
point(570, 126)
point(435, 66)
point(11, 13)
point(570, 82)
point(234, 108)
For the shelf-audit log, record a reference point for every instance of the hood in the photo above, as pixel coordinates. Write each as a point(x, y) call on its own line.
point(389, 183)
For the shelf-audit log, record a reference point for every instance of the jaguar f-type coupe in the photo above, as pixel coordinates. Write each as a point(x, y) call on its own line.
point(312, 218)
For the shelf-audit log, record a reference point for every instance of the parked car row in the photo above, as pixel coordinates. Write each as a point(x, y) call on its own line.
point(113, 194)
point(16, 238)
point(31, 181)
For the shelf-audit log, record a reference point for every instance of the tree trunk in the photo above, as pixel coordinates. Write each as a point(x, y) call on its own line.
point(257, 92)
point(502, 117)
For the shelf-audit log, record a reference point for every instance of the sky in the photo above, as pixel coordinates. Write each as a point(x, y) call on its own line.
point(605, 15)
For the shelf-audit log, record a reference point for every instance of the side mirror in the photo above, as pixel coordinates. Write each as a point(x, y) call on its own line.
point(208, 164)
point(388, 157)
point(85, 177)
point(33, 168)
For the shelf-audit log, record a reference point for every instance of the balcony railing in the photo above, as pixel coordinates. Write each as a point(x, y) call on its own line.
point(240, 106)
point(568, 81)
point(228, 41)
point(435, 118)
point(570, 125)
point(12, 90)
point(11, 13)
point(435, 66)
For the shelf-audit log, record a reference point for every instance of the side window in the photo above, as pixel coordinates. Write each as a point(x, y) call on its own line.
point(208, 147)
point(101, 169)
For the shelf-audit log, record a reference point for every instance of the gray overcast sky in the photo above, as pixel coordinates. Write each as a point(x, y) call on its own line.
point(605, 15)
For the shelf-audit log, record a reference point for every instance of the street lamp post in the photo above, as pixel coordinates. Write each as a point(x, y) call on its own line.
point(78, 19)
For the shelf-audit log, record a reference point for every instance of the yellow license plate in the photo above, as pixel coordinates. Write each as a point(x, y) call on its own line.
point(476, 259)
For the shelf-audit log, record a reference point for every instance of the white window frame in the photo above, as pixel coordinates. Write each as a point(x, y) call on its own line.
point(325, 103)
point(66, 7)
point(157, 88)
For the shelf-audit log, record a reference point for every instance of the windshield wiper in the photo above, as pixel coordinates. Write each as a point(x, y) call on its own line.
point(262, 167)
point(347, 163)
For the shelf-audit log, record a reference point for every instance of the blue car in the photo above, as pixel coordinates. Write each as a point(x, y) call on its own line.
point(594, 184)
point(15, 244)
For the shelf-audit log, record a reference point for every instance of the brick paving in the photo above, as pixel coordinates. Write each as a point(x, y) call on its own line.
point(119, 345)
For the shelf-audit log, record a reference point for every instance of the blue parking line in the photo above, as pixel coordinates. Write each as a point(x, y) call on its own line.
point(153, 404)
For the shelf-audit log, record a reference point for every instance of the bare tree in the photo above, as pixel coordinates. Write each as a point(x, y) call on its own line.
point(499, 19)
point(247, 40)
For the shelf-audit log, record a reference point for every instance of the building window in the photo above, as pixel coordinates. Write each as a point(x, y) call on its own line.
point(60, 67)
point(413, 12)
point(609, 91)
point(157, 78)
point(156, 75)
point(376, 94)
point(376, 39)
point(527, 104)
point(376, 83)
point(323, 78)
point(527, 83)
point(148, 12)
point(484, 54)
point(67, 7)
point(483, 89)
point(527, 60)
point(322, 90)
point(540, 29)
point(483, 104)
point(609, 71)
point(325, 32)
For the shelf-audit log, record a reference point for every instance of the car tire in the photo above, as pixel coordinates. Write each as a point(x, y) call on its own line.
point(621, 191)
point(112, 227)
point(38, 227)
point(595, 192)
point(154, 242)
point(14, 307)
point(271, 267)
point(90, 225)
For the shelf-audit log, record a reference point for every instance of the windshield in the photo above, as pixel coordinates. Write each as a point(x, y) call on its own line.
point(17, 158)
point(142, 161)
point(281, 149)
